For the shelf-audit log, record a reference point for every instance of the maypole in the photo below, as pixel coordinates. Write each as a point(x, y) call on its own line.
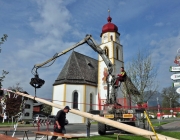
point(122, 126)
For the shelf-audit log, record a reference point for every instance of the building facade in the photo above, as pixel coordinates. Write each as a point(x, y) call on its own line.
point(82, 82)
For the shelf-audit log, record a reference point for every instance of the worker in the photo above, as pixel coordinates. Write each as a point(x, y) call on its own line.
point(121, 77)
point(60, 122)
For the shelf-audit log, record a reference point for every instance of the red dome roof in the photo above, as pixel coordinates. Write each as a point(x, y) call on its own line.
point(109, 27)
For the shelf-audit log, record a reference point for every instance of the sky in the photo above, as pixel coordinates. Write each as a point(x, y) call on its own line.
point(38, 29)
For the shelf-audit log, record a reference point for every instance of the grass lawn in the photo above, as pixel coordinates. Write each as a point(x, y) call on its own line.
point(114, 137)
point(162, 123)
point(10, 124)
point(170, 134)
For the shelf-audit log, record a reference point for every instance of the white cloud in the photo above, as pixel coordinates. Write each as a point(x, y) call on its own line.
point(159, 24)
point(163, 56)
point(122, 3)
point(53, 20)
point(39, 29)
point(153, 42)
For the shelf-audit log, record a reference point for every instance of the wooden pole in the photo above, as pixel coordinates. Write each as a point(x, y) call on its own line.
point(122, 126)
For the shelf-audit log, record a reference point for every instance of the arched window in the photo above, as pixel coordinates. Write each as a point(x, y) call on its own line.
point(75, 100)
point(26, 114)
point(106, 50)
point(111, 38)
point(117, 53)
point(91, 101)
point(27, 106)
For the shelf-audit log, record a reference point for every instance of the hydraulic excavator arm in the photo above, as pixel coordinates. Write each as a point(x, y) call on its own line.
point(37, 82)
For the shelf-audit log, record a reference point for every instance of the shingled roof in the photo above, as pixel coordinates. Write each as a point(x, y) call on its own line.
point(79, 69)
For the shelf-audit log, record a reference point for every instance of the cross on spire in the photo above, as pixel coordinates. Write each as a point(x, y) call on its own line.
point(109, 12)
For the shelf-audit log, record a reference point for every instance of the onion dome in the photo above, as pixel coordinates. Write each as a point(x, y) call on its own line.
point(109, 27)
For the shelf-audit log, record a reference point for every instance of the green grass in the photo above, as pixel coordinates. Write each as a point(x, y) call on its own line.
point(170, 134)
point(114, 137)
point(161, 123)
point(10, 124)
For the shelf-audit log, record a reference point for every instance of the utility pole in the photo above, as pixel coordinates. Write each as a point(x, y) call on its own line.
point(158, 113)
point(171, 106)
point(158, 104)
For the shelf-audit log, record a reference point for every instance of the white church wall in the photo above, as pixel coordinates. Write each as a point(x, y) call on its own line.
point(102, 85)
point(110, 50)
point(58, 97)
point(73, 118)
point(91, 90)
point(121, 53)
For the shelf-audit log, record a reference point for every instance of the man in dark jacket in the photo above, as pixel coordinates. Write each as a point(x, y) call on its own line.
point(60, 122)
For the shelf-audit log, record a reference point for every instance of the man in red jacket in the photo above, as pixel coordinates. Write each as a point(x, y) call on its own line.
point(121, 77)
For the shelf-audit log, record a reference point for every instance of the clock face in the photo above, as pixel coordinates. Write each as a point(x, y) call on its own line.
point(105, 38)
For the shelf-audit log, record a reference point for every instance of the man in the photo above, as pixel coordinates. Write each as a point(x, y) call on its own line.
point(121, 77)
point(60, 122)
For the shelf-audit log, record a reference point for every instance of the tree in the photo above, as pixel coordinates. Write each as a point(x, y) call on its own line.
point(16, 88)
point(46, 109)
point(170, 98)
point(3, 39)
point(143, 75)
point(13, 104)
point(4, 73)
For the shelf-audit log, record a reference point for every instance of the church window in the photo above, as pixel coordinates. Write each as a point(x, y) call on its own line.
point(75, 100)
point(106, 50)
point(89, 64)
point(111, 38)
point(91, 101)
point(117, 53)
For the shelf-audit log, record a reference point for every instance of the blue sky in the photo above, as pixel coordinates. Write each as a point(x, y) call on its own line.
point(37, 29)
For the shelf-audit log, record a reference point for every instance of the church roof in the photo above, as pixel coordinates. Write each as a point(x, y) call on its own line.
point(79, 69)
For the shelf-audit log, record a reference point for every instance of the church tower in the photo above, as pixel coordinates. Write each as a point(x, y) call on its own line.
point(110, 43)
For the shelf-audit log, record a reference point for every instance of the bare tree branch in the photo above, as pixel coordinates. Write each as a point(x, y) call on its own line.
point(143, 75)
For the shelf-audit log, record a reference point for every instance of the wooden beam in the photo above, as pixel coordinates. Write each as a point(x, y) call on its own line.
point(125, 127)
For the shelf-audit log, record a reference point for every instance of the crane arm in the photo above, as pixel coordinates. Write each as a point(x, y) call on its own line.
point(60, 54)
point(37, 82)
point(91, 42)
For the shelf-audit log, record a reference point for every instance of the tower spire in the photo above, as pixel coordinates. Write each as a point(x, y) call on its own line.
point(109, 12)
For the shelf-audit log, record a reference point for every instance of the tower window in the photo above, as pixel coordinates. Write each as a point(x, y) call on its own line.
point(117, 53)
point(106, 50)
point(91, 101)
point(75, 100)
point(111, 38)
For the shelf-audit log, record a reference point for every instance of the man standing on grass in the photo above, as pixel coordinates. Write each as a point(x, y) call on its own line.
point(59, 126)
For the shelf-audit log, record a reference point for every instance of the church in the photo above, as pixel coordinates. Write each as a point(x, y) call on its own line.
point(81, 83)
